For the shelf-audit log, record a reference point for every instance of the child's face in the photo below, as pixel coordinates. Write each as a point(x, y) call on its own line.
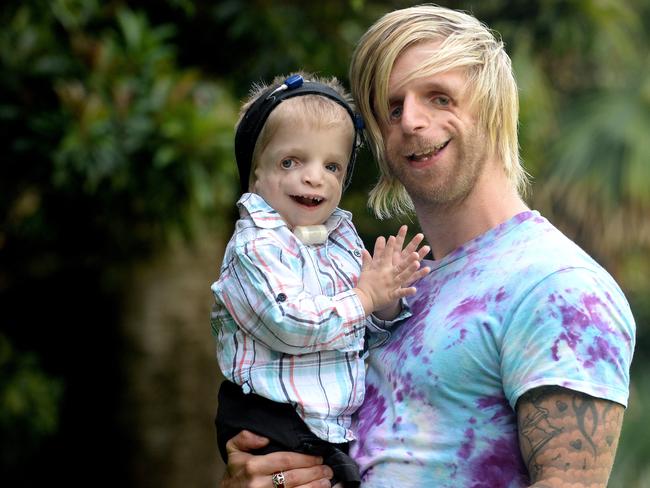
point(300, 172)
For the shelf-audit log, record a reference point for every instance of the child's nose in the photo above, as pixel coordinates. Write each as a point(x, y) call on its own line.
point(313, 175)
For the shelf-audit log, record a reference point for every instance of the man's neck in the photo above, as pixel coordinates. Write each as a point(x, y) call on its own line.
point(447, 227)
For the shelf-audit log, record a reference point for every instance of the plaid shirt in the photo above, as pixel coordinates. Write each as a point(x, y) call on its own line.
point(289, 326)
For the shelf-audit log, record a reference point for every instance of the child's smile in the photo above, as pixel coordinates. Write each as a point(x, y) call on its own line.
point(300, 172)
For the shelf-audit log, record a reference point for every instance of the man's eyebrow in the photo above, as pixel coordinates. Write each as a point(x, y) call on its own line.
point(429, 86)
point(439, 86)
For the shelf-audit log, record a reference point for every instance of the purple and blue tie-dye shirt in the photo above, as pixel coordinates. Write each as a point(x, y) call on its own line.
point(518, 307)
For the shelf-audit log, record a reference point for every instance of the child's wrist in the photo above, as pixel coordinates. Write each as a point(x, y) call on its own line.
point(365, 299)
point(390, 312)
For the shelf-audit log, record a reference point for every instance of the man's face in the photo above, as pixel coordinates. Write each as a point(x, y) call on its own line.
point(433, 143)
point(301, 170)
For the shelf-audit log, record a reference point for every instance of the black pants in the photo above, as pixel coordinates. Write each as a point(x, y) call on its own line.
point(283, 426)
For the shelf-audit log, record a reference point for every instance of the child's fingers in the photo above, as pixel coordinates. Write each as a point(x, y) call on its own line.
point(404, 292)
point(415, 242)
point(388, 250)
point(407, 269)
point(417, 275)
point(380, 245)
point(400, 237)
point(404, 262)
point(411, 272)
point(366, 259)
point(423, 251)
point(413, 247)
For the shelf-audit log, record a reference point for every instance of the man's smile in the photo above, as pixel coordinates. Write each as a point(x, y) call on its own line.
point(425, 154)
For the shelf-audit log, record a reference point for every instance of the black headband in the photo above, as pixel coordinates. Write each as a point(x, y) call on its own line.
point(255, 117)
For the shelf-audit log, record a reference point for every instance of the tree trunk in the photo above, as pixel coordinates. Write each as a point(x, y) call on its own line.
point(170, 371)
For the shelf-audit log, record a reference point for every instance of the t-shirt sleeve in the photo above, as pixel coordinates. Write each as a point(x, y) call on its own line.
point(574, 329)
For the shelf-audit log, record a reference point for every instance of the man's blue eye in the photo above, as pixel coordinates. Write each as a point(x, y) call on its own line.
point(396, 113)
point(440, 100)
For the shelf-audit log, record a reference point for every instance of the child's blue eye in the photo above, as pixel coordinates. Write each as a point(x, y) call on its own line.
point(333, 167)
point(287, 163)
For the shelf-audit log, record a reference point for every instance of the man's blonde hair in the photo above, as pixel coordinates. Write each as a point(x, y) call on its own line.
point(316, 110)
point(464, 43)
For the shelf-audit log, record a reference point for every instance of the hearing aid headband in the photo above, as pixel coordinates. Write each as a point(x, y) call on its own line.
point(251, 124)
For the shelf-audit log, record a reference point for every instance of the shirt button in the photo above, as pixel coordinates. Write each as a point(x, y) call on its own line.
point(281, 297)
point(357, 253)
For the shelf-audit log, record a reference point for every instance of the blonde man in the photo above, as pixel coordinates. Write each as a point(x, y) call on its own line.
point(513, 370)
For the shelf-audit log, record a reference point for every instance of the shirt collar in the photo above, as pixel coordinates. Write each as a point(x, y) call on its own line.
point(265, 217)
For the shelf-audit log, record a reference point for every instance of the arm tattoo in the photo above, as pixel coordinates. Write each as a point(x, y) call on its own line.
point(582, 406)
point(568, 436)
point(535, 430)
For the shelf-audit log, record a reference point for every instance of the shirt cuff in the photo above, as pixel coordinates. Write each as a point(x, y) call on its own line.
point(378, 330)
point(349, 306)
point(376, 324)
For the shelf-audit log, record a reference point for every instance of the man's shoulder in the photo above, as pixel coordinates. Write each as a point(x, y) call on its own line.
point(541, 256)
point(542, 248)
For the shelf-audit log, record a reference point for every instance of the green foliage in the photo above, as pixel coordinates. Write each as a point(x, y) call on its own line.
point(142, 131)
point(29, 405)
point(585, 113)
point(631, 468)
point(117, 122)
point(112, 122)
point(109, 149)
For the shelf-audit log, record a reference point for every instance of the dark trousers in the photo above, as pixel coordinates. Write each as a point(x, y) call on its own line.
point(283, 426)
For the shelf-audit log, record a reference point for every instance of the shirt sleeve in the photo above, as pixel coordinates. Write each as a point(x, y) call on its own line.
point(378, 331)
point(263, 291)
point(573, 329)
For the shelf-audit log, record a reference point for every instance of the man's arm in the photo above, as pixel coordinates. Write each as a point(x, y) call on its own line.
point(568, 438)
point(246, 470)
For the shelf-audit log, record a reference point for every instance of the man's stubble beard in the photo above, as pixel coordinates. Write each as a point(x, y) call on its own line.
point(434, 189)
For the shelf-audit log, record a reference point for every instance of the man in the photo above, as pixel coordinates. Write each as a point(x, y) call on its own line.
point(514, 368)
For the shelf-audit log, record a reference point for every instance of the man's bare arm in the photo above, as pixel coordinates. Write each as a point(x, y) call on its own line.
point(568, 438)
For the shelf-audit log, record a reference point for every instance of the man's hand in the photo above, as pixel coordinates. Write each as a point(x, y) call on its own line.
point(568, 438)
point(254, 471)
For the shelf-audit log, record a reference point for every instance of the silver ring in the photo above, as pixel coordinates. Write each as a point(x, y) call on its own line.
point(278, 479)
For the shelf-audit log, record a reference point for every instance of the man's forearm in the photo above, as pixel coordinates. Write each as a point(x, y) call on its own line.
point(568, 438)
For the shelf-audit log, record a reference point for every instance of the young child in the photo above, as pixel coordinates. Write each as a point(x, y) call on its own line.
point(297, 289)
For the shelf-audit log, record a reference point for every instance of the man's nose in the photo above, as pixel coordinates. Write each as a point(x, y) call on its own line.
point(415, 116)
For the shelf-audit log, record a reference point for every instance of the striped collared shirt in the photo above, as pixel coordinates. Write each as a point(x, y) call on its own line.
point(289, 326)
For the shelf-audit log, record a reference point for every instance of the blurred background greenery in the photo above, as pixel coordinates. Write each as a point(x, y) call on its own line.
point(117, 186)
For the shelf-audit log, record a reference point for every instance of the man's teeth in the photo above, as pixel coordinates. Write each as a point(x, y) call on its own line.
point(439, 147)
point(421, 156)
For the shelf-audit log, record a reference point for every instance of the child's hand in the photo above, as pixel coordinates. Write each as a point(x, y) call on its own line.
point(386, 275)
point(403, 256)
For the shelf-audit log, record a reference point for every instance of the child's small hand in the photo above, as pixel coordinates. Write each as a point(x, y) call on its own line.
point(386, 276)
point(402, 256)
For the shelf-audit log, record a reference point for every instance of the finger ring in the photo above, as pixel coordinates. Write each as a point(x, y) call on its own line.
point(278, 479)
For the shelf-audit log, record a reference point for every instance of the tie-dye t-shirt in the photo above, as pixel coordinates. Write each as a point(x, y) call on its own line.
point(518, 307)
